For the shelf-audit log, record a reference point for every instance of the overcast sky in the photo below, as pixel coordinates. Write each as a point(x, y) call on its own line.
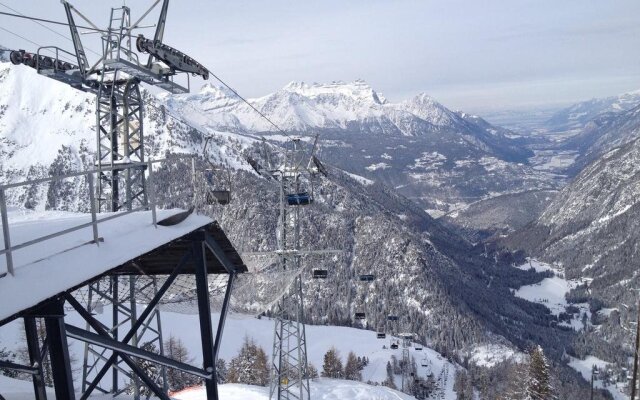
point(472, 55)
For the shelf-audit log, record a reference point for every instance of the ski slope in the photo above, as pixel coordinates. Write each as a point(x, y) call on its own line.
point(321, 389)
point(320, 340)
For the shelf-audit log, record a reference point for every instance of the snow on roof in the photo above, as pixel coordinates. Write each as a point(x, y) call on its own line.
point(47, 268)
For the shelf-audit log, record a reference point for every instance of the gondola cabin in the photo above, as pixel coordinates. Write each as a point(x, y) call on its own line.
point(367, 278)
point(222, 197)
point(299, 199)
point(320, 274)
point(392, 318)
point(218, 189)
point(360, 315)
point(381, 335)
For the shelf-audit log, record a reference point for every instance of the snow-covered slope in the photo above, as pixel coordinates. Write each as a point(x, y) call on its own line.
point(579, 114)
point(348, 107)
point(590, 226)
point(435, 156)
point(321, 389)
point(602, 134)
point(591, 230)
point(320, 340)
point(47, 128)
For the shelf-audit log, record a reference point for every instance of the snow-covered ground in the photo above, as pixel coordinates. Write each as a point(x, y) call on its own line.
point(320, 339)
point(584, 367)
point(14, 389)
point(321, 389)
point(377, 166)
point(489, 355)
point(551, 292)
point(550, 160)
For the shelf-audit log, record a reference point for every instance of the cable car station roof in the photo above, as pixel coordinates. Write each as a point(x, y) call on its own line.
point(129, 245)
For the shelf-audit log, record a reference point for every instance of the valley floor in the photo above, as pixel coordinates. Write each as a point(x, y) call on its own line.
point(551, 292)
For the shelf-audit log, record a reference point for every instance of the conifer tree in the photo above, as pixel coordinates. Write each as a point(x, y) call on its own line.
point(389, 381)
point(250, 366)
point(7, 355)
point(332, 366)
point(462, 386)
point(539, 379)
point(221, 370)
point(151, 369)
point(352, 368)
point(312, 371)
point(175, 349)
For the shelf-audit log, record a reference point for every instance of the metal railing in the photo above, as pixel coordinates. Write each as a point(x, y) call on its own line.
point(9, 248)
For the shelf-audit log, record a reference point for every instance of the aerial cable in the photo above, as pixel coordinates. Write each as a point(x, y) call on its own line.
point(235, 92)
point(48, 21)
point(31, 41)
point(18, 15)
point(249, 104)
point(46, 27)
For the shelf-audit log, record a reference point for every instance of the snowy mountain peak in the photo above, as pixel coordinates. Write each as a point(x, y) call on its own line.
point(427, 108)
point(218, 90)
point(357, 90)
point(578, 115)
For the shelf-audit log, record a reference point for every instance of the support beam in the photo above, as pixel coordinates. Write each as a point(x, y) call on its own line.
point(35, 357)
point(217, 251)
point(18, 367)
point(134, 367)
point(116, 324)
point(108, 343)
point(204, 312)
point(223, 315)
point(59, 350)
point(145, 314)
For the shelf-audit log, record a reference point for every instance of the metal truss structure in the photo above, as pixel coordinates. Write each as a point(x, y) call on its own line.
point(115, 79)
point(289, 378)
point(120, 294)
point(201, 253)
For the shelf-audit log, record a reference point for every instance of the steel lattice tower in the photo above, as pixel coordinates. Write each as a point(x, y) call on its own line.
point(289, 378)
point(115, 79)
point(120, 186)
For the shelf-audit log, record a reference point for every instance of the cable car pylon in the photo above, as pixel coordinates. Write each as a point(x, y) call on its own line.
point(289, 378)
point(115, 80)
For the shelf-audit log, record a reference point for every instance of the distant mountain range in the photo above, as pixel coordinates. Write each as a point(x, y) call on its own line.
point(590, 230)
point(577, 116)
point(440, 158)
point(350, 108)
